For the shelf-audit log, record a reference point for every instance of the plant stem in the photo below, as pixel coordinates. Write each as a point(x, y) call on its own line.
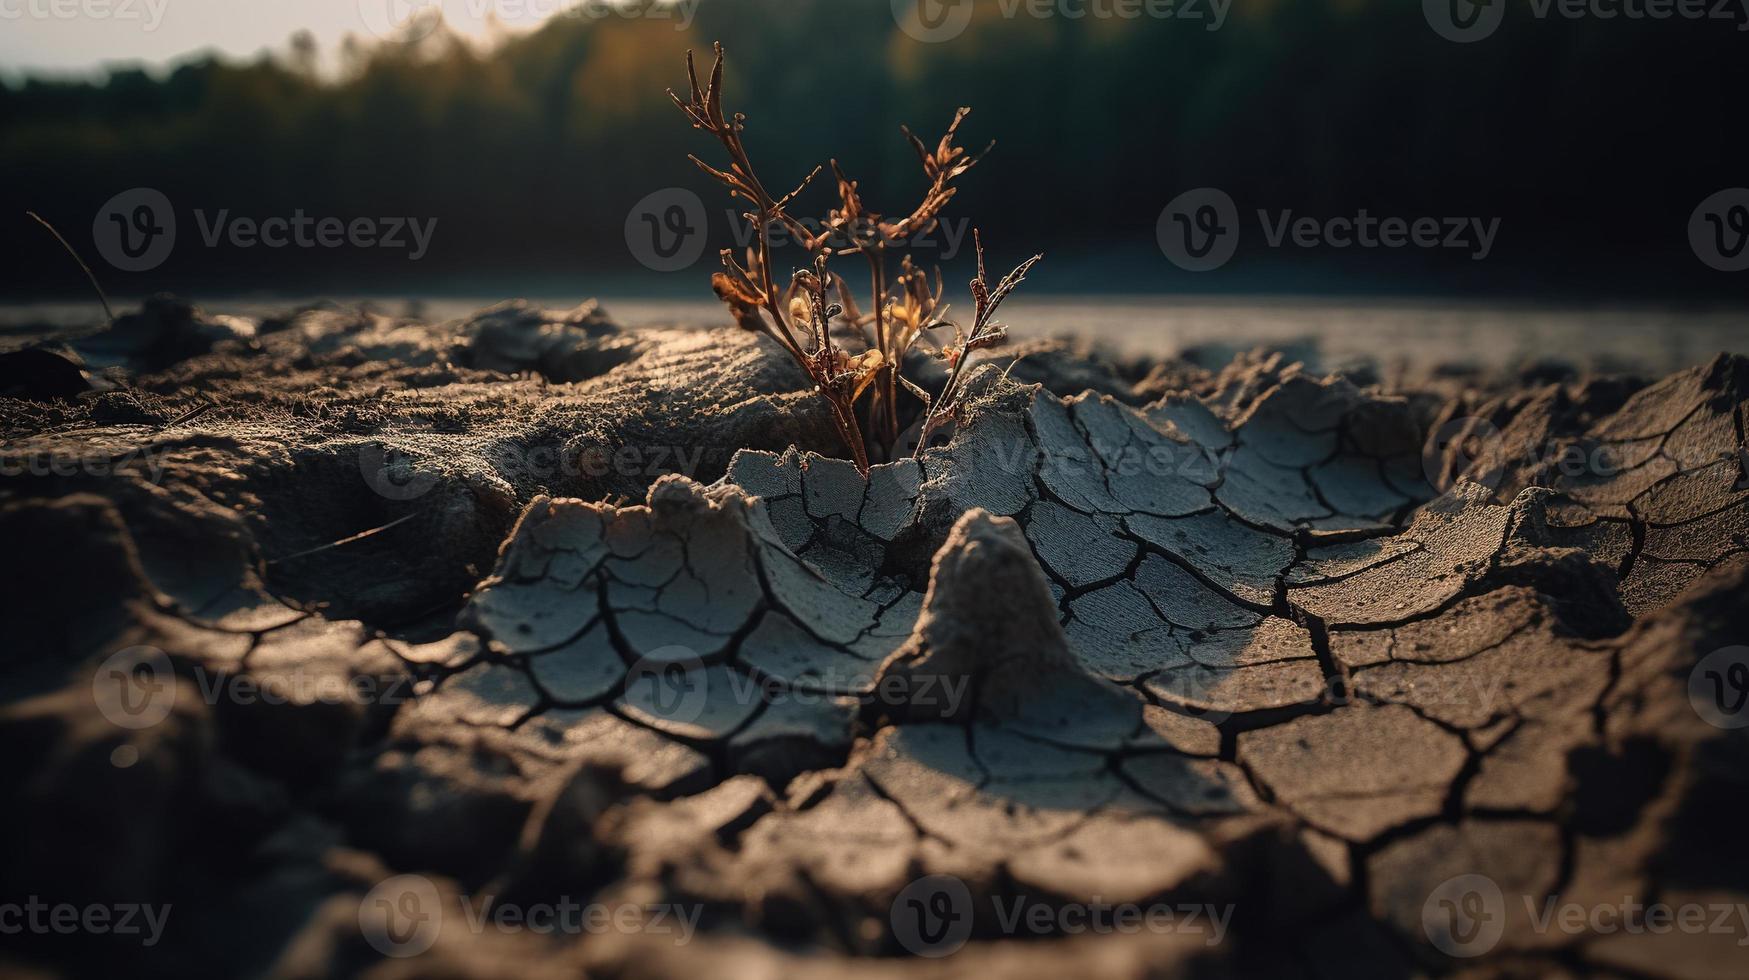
point(101, 298)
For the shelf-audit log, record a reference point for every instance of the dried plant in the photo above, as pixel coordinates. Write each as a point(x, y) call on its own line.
point(902, 313)
point(985, 333)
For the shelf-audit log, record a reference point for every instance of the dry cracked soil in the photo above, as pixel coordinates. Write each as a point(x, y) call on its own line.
point(527, 645)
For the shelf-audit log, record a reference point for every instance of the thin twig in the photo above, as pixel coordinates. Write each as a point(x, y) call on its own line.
point(189, 415)
point(101, 298)
point(360, 536)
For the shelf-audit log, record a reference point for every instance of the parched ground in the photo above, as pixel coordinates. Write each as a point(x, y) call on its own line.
point(527, 645)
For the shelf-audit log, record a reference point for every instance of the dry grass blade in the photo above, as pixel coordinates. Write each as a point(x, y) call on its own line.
point(91, 277)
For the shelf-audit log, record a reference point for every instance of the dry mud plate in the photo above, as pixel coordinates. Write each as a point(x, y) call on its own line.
point(528, 646)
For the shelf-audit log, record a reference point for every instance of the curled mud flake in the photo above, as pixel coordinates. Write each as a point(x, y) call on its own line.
point(679, 573)
point(893, 626)
point(989, 464)
point(1693, 494)
point(1078, 549)
point(780, 649)
point(569, 532)
point(1653, 585)
point(776, 479)
point(1451, 542)
point(1141, 466)
point(1467, 629)
point(812, 600)
point(1656, 410)
point(1273, 665)
point(1615, 492)
point(644, 556)
point(765, 474)
point(845, 555)
point(1357, 771)
point(584, 670)
point(647, 632)
point(1607, 537)
point(1148, 486)
point(1295, 424)
point(1190, 417)
point(790, 523)
point(1102, 425)
point(1703, 541)
point(1184, 601)
point(831, 488)
point(690, 700)
point(1355, 487)
point(1240, 559)
point(890, 498)
point(1117, 634)
point(1065, 464)
point(1710, 433)
point(1272, 496)
point(529, 618)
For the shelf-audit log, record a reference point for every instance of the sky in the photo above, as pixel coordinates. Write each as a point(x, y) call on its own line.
point(62, 36)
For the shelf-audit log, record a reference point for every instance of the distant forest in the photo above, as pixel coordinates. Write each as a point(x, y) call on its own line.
point(1592, 140)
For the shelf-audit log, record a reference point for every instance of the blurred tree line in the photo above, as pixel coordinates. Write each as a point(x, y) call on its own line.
point(1591, 140)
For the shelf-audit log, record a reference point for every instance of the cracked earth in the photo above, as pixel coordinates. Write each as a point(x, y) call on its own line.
point(532, 608)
